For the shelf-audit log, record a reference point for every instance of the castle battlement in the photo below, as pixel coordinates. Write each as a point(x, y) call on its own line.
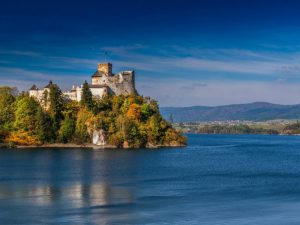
point(104, 82)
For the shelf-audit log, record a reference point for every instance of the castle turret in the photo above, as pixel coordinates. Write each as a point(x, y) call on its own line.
point(106, 68)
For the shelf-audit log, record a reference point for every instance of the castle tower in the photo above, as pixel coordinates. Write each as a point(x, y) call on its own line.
point(106, 68)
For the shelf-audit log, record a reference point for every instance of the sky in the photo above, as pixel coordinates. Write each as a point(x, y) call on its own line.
point(184, 53)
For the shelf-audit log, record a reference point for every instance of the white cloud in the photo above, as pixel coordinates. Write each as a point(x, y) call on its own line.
point(20, 53)
point(190, 64)
point(239, 61)
point(23, 79)
point(176, 92)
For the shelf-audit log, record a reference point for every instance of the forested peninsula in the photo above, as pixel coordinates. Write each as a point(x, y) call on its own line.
point(130, 121)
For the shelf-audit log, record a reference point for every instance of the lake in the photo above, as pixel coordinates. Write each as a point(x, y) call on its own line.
point(217, 179)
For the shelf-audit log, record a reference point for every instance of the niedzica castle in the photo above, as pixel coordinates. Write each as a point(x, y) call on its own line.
point(104, 82)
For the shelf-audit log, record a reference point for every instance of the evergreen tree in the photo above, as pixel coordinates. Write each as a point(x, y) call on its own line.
point(44, 129)
point(86, 97)
point(56, 106)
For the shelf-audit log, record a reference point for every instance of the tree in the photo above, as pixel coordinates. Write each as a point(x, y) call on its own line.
point(86, 96)
point(67, 129)
point(81, 131)
point(153, 129)
point(104, 104)
point(117, 102)
point(26, 110)
point(7, 99)
point(146, 111)
point(22, 137)
point(134, 112)
point(44, 128)
point(56, 106)
point(30, 126)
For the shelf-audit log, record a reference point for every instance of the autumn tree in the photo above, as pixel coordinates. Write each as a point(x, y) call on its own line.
point(81, 130)
point(27, 130)
point(134, 112)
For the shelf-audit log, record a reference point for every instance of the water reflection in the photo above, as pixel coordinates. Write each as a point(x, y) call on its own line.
point(73, 186)
point(80, 178)
point(77, 195)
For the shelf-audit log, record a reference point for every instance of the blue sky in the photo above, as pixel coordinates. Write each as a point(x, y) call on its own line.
point(184, 53)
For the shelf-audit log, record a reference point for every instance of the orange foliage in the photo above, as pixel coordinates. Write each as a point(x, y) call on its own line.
point(23, 138)
point(134, 111)
point(173, 137)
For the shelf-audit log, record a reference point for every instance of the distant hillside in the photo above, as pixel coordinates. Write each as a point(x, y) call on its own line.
point(257, 111)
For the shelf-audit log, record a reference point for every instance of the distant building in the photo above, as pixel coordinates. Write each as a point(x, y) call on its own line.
point(104, 82)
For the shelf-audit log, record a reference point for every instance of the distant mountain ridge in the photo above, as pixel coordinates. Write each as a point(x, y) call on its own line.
point(257, 111)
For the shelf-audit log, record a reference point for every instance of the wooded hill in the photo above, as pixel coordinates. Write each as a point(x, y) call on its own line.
point(258, 111)
point(133, 121)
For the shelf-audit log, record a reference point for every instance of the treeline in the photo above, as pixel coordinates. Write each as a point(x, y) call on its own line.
point(234, 129)
point(289, 129)
point(292, 129)
point(132, 121)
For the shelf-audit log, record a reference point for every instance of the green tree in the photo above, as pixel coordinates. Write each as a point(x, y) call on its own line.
point(32, 124)
point(56, 106)
point(86, 96)
point(67, 129)
point(153, 130)
point(104, 104)
point(7, 99)
point(44, 128)
point(26, 110)
point(146, 111)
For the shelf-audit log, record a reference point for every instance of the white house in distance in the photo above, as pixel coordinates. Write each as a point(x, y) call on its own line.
point(104, 82)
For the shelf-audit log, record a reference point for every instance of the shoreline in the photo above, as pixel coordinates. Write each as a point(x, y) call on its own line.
point(84, 146)
point(62, 145)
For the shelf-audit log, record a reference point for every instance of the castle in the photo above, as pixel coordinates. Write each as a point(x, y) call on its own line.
point(104, 82)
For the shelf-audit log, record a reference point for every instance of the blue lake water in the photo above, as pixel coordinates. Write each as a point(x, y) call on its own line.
point(217, 179)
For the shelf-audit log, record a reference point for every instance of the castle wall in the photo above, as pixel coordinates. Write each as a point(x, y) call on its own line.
point(120, 84)
point(37, 94)
point(75, 94)
point(103, 82)
point(123, 83)
point(99, 92)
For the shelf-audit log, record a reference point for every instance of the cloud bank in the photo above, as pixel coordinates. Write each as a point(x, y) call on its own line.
point(175, 75)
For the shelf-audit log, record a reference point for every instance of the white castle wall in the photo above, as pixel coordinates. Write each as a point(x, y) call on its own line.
point(122, 83)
